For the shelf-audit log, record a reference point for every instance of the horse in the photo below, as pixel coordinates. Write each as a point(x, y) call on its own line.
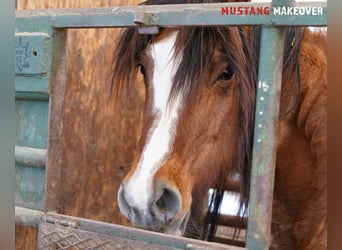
point(197, 129)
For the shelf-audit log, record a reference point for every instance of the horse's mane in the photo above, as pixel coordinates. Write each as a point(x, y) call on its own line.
point(240, 45)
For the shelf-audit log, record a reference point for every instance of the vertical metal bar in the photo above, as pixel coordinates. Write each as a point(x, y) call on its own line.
point(57, 90)
point(265, 136)
point(265, 139)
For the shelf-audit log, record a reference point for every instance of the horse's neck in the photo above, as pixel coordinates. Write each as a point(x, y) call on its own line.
point(302, 145)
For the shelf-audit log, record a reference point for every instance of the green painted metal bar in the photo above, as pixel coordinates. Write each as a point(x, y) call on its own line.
point(33, 53)
point(32, 119)
point(265, 135)
point(33, 157)
point(173, 15)
point(32, 96)
point(264, 149)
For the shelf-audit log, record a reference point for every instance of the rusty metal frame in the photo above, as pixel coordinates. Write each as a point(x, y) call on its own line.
point(106, 235)
point(148, 18)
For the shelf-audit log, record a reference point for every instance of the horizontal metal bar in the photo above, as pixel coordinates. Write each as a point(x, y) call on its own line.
point(228, 241)
point(33, 157)
point(140, 235)
point(175, 15)
point(36, 96)
point(230, 221)
point(32, 218)
point(27, 217)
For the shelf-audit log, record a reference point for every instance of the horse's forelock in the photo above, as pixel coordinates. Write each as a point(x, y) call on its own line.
point(197, 43)
point(128, 48)
point(235, 45)
point(241, 48)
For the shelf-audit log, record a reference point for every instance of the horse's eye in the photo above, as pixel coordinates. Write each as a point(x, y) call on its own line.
point(225, 75)
point(142, 69)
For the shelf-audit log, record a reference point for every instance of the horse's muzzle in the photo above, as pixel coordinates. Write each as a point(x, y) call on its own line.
point(161, 212)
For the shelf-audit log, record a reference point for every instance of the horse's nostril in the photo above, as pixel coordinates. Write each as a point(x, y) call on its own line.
point(123, 205)
point(164, 207)
point(167, 204)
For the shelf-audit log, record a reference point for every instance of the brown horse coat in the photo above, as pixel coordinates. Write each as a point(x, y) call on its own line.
point(300, 194)
point(212, 136)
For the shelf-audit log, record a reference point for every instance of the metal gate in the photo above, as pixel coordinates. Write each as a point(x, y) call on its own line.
point(39, 84)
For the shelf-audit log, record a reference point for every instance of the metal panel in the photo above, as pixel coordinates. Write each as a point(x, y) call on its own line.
point(30, 53)
point(63, 232)
point(35, 76)
point(89, 234)
point(54, 236)
point(32, 119)
point(33, 54)
point(30, 187)
point(32, 63)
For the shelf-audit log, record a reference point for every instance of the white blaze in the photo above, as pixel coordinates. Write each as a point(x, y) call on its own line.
point(160, 137)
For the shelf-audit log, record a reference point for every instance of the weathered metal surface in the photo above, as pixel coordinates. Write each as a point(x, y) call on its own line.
point(93, 159)
point(265, 138)
point(27, 217)
point(26, 227)
point(32, 119)
point(57, 92)
point(32, 157)
point(39, 69)
point(33, 53)
point(32, 95)
point(31, 65)
point(36, 87)
point(172, 15)
point(52, 236)
point(31, 57)
point(67, 231)
point(94, 235)
point(30, 187)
